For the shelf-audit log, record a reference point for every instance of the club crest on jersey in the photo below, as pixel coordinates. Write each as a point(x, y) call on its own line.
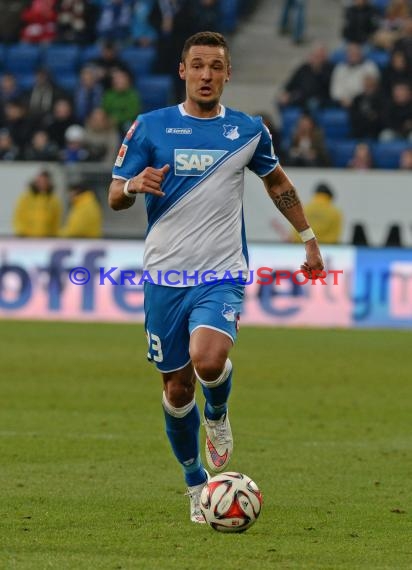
point(195, 162)
point(231, 132)
point(228, 313)
point(121, 154)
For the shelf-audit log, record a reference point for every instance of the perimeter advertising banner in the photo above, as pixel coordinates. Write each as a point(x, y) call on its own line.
point(87, 280)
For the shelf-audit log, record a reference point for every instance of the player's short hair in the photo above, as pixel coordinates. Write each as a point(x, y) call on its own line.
point(206, 39)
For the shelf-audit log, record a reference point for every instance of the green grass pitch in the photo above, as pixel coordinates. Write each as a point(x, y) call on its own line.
point(322, 422)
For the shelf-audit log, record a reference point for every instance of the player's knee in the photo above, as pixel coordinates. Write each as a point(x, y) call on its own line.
point(208, 369)
point(179, 393)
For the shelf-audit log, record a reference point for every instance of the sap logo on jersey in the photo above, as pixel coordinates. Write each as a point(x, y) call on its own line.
point(195, 162)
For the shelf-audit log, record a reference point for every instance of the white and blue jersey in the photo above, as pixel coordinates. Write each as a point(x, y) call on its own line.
point(198, 225)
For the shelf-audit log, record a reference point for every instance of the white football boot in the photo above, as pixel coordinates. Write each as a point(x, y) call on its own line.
point(194, 495)
point(219, 442)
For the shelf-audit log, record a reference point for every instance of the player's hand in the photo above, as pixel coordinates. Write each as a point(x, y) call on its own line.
point(313, 265)
point(149, 181)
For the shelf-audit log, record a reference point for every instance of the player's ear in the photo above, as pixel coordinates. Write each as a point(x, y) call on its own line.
point(229, 73)
point(182, 70)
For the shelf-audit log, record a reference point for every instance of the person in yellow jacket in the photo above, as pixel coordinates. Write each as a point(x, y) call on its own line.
point(323, 216)
point(38, 211)
point(85, 218)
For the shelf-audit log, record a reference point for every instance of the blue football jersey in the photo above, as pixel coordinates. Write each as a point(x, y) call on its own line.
point(198, 225)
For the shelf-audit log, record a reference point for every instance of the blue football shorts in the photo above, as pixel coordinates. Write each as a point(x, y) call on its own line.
point(173, 313)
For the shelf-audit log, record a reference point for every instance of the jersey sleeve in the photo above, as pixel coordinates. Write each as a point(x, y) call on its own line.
point(264, 159)
point(134, 152)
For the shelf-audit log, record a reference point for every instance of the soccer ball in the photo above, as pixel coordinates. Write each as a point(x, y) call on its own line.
point(230, 502)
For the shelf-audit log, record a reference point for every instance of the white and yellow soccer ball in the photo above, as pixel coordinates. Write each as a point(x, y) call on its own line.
point(231, 502)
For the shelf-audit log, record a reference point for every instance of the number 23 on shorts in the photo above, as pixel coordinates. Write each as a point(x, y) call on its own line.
point(155, 347)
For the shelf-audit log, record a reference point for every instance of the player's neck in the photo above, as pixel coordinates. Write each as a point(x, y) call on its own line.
point(195, 110)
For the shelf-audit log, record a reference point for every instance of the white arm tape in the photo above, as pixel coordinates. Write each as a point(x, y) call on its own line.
point(307, 235)
point(126, 191)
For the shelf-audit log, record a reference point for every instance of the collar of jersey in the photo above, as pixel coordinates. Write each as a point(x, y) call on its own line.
point(184, 113)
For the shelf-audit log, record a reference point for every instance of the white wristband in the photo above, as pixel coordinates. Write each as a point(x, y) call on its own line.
point(307, 235)
point(126, 191)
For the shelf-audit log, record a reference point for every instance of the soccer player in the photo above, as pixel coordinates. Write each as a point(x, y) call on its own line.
point(188, 160)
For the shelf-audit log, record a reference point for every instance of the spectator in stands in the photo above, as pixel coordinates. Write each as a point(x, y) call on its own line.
point(397, 71)
point(39, 20)
point(17, 122)
point(390, 26)
point(102, 137)
point(308, 87)
point(361, 20)
point(71, 21)
point(323, 216)
point(397, 118)
point(8, 149)
point(75, 148)
point(41, 148)
point(404, 44)
point(361, 158)
point(122, 101)
point(307, 146)
point(405, 161)
point(57, 124)
point(38, 210)
point(114, 21)
point(9, 89)
point(107, 62)
point(365, 111)
point(177, 22)
point(206, 15)
point(10, 21)
point(348, 76)
point(88, 93)
point(142, 32)
point(293, 19)
point(85, 217)
point(42, 96)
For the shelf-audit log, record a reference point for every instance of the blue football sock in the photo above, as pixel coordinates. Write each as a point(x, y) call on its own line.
point(182, 428)
point(217, 393)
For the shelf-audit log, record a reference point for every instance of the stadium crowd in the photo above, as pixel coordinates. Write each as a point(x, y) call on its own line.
point(352, 107)
point(74, 73)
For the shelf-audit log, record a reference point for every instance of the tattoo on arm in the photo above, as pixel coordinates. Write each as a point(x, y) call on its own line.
point(286, 200)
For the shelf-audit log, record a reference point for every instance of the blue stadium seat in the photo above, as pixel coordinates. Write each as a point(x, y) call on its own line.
point(140, 60)
point(378, 56)
point(25, 80)
point(68, 81)
point(381, 5)
point(2, 56)
point(334, 122)
point(288, 120)
point(87, 53)
point(61, 59)
point(155, 91)
point(338, 55)
point(22, 58)
point(228, 15)
point(341, 152)
point(387, 154)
